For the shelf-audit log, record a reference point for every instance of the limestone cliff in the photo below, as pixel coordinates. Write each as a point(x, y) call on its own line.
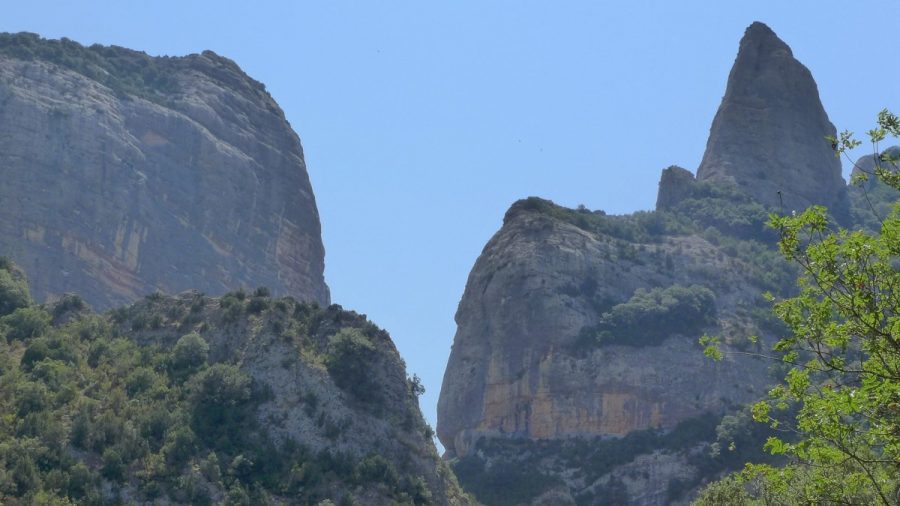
point(579, 326)
point(515, 367)
point(768, 136)
point(124, 174)
point(529, 362)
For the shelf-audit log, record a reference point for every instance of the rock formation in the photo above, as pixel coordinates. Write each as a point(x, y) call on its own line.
point(578, 326)
point(769, 133)
point(675, 185)
point(519, 366)
point(124, 174)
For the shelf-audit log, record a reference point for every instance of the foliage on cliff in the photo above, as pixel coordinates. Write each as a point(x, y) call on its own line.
point(844, 357)
point(717, 213)
point(125, 71)
point(651, 316)
point(162, 401)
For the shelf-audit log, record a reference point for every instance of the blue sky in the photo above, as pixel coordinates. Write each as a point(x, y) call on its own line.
point(423, 121)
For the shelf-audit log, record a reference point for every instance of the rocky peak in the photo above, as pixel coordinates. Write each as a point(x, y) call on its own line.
point(768, 136)
point(675, 184)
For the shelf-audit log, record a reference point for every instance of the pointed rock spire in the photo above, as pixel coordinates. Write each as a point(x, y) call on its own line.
point(768, 136)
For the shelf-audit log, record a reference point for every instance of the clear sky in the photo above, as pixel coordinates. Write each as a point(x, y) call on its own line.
point(422, 121)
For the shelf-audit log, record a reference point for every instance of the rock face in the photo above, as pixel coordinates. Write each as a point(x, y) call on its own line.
point(768, 134)
point(517, 367)
point(574, 325)
point(124, 174)
point(675, 185)
point(529, 364)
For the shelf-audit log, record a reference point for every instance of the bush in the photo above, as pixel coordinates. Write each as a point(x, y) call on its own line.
point(13, 289)
point(180, 445)
point(650, 316)
point(349, 362)
point(113, 466)
point(140, 380)
point(43, 348)
point(220, 398)
point(518, 470)
point(124, 71)
point(376, 469)
point(190, 353)
point(639, 227)
point(68, 303)
point(257, 304)
point(25, 323)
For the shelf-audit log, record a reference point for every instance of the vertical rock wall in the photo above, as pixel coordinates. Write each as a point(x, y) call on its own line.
point(123, 174)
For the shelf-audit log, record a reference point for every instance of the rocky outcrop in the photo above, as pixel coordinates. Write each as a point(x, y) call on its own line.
point(124, 174)
point(528, 362)
point(519, 366)
point(675, 185)
point(579, 325)
point(768, 136)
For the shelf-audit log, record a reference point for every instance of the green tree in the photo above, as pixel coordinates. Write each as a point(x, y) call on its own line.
point(221, 399)
point(13, 288)
point(190, 353)
point(25, 322)
point(844, 351)
point(349, 361)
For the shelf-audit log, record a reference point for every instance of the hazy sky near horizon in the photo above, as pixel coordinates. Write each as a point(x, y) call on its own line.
point(423, 121)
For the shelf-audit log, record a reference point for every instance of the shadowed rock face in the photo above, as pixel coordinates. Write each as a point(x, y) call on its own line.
point(124, 174)
point(768, 134)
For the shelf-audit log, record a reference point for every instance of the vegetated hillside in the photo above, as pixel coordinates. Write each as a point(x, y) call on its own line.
point(243, 399)
point(125, 173)
point(576, 376)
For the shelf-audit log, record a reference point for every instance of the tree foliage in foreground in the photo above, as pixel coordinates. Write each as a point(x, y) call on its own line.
point(844, 351)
